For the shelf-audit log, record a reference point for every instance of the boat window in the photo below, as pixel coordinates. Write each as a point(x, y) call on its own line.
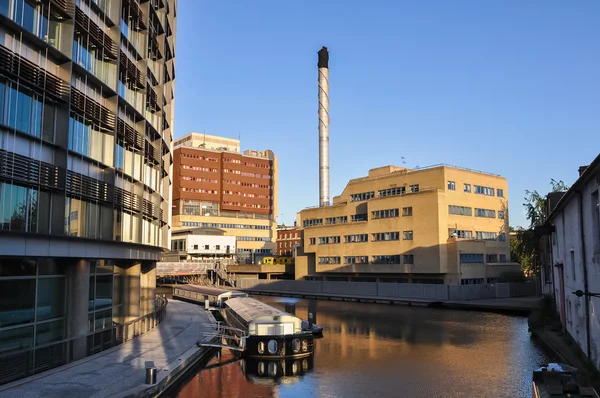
point(272, 346)
point(261, 348)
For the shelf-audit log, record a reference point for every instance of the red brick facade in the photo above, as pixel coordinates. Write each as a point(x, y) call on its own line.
point(287, 239)
point(237, 182)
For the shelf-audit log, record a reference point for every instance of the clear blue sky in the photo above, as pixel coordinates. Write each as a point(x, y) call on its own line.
point(511, 87)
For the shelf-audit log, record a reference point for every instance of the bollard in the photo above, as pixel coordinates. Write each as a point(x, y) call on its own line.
point(151, 375)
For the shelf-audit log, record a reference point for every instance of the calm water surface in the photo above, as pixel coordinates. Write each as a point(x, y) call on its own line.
point(376, 350)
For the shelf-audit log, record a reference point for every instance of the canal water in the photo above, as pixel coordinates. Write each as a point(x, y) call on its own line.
point(377, 350)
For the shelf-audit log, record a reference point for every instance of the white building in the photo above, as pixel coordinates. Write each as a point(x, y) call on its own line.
point(575, 222)
point(203, 244)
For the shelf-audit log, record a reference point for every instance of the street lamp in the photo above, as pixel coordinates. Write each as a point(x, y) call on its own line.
point(580, 293)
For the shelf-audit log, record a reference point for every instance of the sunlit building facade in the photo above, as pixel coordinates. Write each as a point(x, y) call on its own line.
point(215, 185)
point(86, 127)
point(439, 224)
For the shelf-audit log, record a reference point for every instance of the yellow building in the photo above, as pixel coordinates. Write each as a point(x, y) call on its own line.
point(439, 224)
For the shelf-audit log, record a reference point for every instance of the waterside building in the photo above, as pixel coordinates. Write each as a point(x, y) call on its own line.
point(440, 224)
point(86, 119)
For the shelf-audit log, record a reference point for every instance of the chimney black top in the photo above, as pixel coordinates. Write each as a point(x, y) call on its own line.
point(323, 58)
point(582, 169)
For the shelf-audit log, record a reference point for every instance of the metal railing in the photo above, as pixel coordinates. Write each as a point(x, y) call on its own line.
point(15, 365)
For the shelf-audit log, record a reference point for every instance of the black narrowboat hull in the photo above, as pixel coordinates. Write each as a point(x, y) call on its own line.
point(299, 345)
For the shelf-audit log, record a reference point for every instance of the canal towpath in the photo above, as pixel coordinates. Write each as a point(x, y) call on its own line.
point(520, 305)
point(120, 371)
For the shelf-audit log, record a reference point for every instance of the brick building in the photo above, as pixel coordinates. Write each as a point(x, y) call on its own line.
point(287, 239)
point(217, 186)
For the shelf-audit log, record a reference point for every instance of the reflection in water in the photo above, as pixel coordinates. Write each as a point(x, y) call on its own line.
point(375, 350)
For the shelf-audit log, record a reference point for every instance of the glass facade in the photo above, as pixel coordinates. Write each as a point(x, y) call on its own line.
point(84, 167)
point(33, 305)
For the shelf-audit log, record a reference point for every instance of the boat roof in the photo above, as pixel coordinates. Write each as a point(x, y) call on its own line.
point(210, 290)
point(562, 381)
point(251, 309)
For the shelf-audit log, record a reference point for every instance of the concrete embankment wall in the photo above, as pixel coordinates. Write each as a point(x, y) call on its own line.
point(412, 291)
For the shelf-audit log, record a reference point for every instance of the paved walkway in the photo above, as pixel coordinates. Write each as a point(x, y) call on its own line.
point(120, 371)
point(524, 304)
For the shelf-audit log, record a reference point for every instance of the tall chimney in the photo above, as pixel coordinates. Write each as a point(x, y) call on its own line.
point(323, 65)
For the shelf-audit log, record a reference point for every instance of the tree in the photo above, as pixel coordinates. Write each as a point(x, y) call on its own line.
point(524, 244)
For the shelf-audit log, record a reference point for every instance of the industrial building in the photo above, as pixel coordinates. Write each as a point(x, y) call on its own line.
point(439, 224)
point(86, 117)
point(215, 185)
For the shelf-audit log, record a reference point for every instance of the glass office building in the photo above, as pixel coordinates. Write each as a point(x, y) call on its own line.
point(86, 116)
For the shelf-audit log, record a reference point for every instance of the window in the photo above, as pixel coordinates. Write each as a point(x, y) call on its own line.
point(393, 259)
point(19, 208)
point(460, 233)
point(217, 247)
point(386, 236)
point(501, 214)
point(484, 190)
point(336, 220)
point(407, 235)
point(406, 211)
point(312, 222)
point(359, 197)
point(356, 238)
point(409, 259)
point(485, 213)
point(329, 260)
point(389, 213)
point(467, 188)
point(356, 260)
point(196, 247)
point(359, 217)
point(451, 185)
point(460, 210)
point(500, 193)
point(471, 258)
point(573, 270)
point(491, 258)
point(414, 188)
point(502, 258)
point(326, 240)
point(486, 235)
point(596, 220)
point(392, 192)
point(312, 241)
point(502, 237)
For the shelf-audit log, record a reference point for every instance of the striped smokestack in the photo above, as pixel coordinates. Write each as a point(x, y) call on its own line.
point(323, 65)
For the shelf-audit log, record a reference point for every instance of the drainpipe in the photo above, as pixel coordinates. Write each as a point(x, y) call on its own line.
point(585, 276)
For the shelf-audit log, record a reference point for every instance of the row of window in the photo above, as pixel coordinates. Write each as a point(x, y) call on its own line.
point(468, 211)
point(479, 235)
point(199, 168)
point(251, 164)
point(246, 174)
point(200, 157)
point(246, 205)
point(480, 190)
point(247, 184)
point(362, 196)
point(253, 239)
point(247, 195)
point(215, 225)
point(477, 258)
point(200, 179)
point(376, 237)
point(407, 259)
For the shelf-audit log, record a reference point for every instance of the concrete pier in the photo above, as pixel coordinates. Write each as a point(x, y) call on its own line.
point(120, 371)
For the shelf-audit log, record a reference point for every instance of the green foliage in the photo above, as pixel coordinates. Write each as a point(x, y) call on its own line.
point(523, 245)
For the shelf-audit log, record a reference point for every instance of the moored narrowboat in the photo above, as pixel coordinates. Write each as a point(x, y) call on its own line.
point(269, 333)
